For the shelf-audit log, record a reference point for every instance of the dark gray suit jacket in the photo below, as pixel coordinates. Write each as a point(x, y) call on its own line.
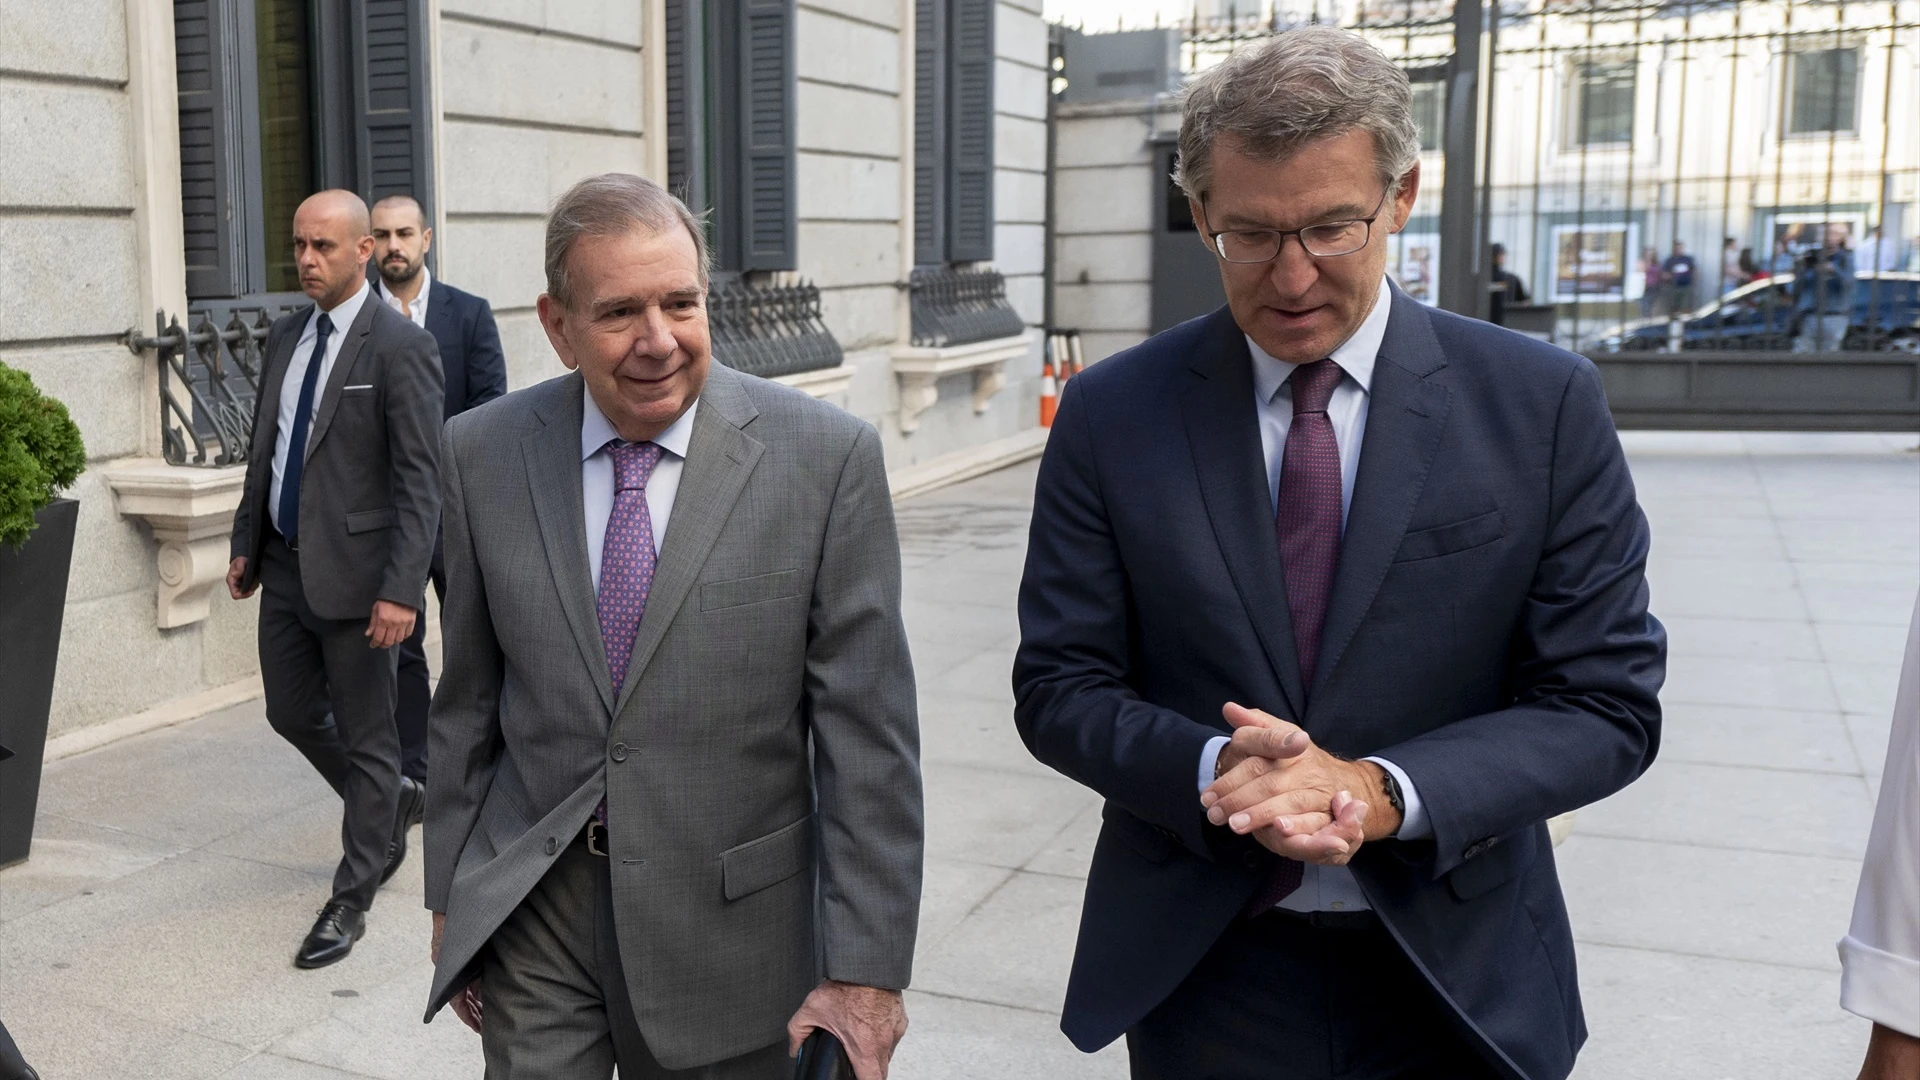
point(761, 765)
point(370, 494)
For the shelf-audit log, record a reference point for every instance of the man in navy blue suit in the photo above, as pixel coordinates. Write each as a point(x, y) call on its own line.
point(1336, 600)
point(476, 372)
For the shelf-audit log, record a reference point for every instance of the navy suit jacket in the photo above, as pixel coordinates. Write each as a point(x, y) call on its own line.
point(1488, 632)
point(476, 369)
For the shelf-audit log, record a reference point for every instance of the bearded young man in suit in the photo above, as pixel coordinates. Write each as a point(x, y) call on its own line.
point(336, 522)
point(674, 809)
point(1336, 599)
point(475, 373)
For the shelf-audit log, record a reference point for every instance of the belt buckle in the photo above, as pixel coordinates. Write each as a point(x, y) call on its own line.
point(596, 837)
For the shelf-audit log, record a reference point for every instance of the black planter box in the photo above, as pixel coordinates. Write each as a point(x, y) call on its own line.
point(33, 597)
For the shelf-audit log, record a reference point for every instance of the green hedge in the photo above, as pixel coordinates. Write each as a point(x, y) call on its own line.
point(40, 453)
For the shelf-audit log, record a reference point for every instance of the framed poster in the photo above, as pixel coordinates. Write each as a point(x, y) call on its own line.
point(1596, 263)
point(1413, 258)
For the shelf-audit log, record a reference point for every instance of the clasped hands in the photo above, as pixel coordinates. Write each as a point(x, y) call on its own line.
point(1296, 799)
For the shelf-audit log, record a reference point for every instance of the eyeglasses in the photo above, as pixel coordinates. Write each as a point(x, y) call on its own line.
point(1324, 241)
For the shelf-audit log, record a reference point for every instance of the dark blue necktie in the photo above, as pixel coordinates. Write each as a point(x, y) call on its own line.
point(297, 442)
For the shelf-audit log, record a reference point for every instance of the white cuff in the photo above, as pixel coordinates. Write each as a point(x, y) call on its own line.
point(1880, 986)
point(1413, 820)
point(1210, 756)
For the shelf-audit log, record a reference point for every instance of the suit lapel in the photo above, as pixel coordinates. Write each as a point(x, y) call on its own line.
point(553, 472)
point(342, 367)
point(440, 317)
point(1224, 436)
point(720, 457)
point(1405, 414)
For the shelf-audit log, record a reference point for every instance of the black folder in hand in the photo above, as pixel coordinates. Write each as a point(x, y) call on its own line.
point(822, 1058)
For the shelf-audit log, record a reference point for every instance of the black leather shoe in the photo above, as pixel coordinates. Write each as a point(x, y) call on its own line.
point(413, 803)
point(332, 936)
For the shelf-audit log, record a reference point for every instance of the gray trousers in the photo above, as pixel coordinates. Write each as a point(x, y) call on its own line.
point(554, 1002)
point(305, 662)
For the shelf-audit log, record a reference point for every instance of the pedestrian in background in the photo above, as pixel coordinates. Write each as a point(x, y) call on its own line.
point(1749, 269)
point(1331, 697)
point(1880, 956)
point(1678, 273)
point(1823, 294)
point(336, 523)
point(1650, 279)
point(1882, 252)
point(674, 813)
point(1731, 274)
point(1508, 288)
point(475, 372)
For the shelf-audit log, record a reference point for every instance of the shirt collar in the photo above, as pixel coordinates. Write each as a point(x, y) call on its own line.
point(596, 430)
point(347, 310)
point(426, 286)
point(1355, 355)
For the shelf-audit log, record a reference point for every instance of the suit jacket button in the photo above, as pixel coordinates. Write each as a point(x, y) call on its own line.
point(619, 751)
point(552, 845)
point(1250, 860)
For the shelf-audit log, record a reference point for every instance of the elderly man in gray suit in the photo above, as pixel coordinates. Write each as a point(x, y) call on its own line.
point(674, 809)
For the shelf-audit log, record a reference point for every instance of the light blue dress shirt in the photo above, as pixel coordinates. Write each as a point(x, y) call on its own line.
point(1326, 888)
point(342, 318)
point(596, 476)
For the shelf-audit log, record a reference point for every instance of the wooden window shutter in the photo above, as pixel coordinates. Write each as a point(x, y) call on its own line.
point(393, 145)
point(212, 195)
point(929, 132)
point(680, 70)
point(767, 235)
point(970, 119)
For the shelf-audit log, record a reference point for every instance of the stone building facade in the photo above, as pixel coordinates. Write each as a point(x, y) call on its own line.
point(511, 101)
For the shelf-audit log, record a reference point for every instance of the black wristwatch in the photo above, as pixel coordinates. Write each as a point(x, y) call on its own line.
point(1390, 787)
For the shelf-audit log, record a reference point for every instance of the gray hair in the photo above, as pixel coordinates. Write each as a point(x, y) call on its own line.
point(1310, 83)
point(609, 205)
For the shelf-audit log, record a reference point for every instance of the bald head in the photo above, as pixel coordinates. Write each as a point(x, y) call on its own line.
point(332, 242)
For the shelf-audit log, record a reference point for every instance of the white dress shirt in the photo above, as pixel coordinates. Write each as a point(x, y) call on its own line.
point(342, 318)
point(1326, 888)
point(1880, 956)
point(417, 311)
point(596, 476)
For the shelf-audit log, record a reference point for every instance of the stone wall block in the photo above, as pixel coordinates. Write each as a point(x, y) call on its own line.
point(1105, 200)
point(501, 259)
point(1103, 140)
point(881, 12)
point(530, 357)
point(860, 317)
point(1019, 143)
point(66, 146)
point(849, 253)
point(229, 639)
point(1019, 90)
point(490, 71)
point(1027, 294)
point(618, 24)
point(114, 662)
point(86, 38)
point(1103, 307)
point(836, 50)
point(848, 121)
point(67, 276)
point(836, 187)
point(1116, 257)
point(1021, 35)
point(1019, 248)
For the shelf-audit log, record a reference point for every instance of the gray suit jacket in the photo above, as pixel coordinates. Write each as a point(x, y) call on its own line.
point(761, 766)
point(370, 493)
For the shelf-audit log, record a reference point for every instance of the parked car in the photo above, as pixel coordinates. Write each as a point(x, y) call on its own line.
point(1761, 315)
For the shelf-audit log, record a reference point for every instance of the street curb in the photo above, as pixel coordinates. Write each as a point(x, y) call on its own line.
point(165, 715)
point(966, 464)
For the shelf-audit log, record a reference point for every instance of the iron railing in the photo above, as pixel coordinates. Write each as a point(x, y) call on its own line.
point(958, 307)
point(770, 331)
point(210, 372)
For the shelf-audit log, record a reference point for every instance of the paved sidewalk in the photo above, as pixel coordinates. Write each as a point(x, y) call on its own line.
point(151, 933)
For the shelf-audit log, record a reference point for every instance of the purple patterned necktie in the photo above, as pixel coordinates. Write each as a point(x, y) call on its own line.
point(626, 561)
point(1307, 523)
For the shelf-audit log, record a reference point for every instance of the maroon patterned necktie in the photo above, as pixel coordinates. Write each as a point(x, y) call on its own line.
point(627, 561)
point(1307, 523)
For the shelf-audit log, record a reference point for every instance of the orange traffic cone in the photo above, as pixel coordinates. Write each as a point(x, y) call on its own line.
point(1049, 391)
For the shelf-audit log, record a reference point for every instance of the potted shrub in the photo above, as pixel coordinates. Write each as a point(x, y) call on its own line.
point(40, 454)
